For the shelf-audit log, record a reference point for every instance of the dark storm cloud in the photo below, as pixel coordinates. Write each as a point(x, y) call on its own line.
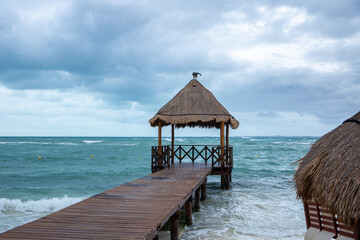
point(95, 42)
point(329, 96)
point(78, 39)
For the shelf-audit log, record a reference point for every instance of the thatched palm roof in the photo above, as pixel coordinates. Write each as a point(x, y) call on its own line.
point(330, 172)
point(194, 106)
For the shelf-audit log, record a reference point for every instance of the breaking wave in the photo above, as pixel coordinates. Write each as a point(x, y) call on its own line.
point(8, 206)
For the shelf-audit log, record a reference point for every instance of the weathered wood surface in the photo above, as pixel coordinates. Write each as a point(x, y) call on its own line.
point(135, 210)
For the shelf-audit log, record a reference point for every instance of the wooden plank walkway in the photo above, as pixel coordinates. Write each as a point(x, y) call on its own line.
point(135, 210)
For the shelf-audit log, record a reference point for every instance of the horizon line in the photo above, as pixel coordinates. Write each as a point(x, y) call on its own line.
point(156, 136)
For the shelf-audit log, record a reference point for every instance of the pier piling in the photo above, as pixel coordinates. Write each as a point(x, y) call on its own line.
point(197, 200)
point(203, 190)
point(188, 211)
point(174, 226)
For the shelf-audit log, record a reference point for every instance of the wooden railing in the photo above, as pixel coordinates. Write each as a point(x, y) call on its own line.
point(322, 219)
point(160, 158)
point(224, 160)
point(221, 157)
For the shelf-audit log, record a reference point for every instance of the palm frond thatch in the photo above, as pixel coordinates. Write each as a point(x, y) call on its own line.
point(194, 106)
point(330, 172)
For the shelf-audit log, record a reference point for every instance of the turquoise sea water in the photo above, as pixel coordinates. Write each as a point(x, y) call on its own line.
point(261, 203)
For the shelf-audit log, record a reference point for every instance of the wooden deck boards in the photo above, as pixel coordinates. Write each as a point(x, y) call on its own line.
point(135, 210)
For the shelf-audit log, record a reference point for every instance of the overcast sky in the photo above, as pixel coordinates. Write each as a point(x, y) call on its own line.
point(104, 68)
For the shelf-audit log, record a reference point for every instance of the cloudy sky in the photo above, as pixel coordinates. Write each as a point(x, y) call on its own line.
point(104, 68)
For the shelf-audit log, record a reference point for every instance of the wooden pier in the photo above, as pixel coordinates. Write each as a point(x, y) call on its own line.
point(139, 209)
point(135, 210)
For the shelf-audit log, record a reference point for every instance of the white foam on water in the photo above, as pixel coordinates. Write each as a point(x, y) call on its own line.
point(299, 143)
point(176, 139)
point(92, 141)
point(66, 143)
point(41, 143)
point(248, 215)
point(15, 212)
point(8, 206)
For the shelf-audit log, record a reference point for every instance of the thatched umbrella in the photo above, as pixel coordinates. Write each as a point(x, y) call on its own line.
point(194, 106)
point(330, 172)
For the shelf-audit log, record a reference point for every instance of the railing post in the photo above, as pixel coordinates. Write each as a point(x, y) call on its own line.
point(192, 153)
point(318, 215)
point(307, 217)
point(231, 162)
point(152, 159)
point(168, 156)
point(335, 226)
point(206, 150)
point(357, 232)
point(212, 157)
point(172, 143)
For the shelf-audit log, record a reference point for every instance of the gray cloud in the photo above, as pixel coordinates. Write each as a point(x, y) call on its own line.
point(303, 56)
point(268, 115)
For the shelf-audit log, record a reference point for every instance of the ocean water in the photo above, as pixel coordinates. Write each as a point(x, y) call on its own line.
point(40, 175)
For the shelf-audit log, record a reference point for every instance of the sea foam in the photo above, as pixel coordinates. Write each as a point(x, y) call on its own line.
point(92, 141)
point(66, 143)
point(41, 143)
point(8, 206)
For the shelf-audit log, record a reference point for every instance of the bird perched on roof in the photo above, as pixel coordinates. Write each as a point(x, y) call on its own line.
point(195, 74)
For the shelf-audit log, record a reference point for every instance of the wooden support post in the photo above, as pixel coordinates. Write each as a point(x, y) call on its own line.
point(203, 190)
point(227, 137)
point(222, 153)
point(227, 177)
point(159, 144)
point(174, 226)
point(197, 200)
point(222, 177)
point(159, 136)
point(222, 138)
point(227, 181)
point(188, 211)
point(172, 143)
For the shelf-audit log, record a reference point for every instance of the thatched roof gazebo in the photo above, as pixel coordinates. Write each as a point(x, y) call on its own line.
point(328, 181)
point(194, 106)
